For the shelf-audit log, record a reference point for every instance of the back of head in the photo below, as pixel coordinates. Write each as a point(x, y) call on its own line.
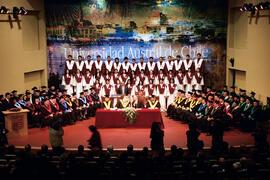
point(92, 128)
point(130, 148)
point(27, 148)
point(44, 148)
point(110, 148)
point(80, 149)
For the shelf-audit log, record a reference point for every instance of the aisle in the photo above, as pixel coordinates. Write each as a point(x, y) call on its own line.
point(175, 133)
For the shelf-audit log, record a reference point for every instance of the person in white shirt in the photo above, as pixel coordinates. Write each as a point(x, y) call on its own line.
point(160, 65)
point(109, 64)
point(117, 65)
point(124, 77)
point(160, 76)
point(162, 91)
point(178, 64)
point(141, 65)
point(107, 89)
point(133, 66)
point(67, 81)
point(179, 80)
point(70, 64)
point(150, 89)
point(188, 64)
point(198, 80)
point(188, 81)
point(89, 65)
point(79, 65)
point(172, 92)
point(169, 65)
point(151, 66)
point(125, 65)
point(98, 64)
point(78, 82)
point(88, 80)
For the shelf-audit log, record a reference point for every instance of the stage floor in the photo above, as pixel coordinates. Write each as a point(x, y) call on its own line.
point(78, 134)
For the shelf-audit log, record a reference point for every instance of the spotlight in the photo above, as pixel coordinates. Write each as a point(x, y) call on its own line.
point(256, 8)
point(4, 10)
point(22, 11)
point(15, 12)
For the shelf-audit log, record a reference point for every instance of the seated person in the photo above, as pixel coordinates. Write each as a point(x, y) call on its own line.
point(123, 103)
point(153, 103)
point(137, 103)
point(107, 103)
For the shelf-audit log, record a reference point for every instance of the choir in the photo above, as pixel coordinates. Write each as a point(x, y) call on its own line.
point(161, 79)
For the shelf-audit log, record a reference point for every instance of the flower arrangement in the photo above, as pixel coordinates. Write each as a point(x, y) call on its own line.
point(130, 114)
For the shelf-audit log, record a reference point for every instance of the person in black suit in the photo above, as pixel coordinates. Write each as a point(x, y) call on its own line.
point(122, 90)
point(215, 115)
point(136, 103)
point(6, 103)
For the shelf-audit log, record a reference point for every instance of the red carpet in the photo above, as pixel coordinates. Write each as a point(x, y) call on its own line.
point(175, 133)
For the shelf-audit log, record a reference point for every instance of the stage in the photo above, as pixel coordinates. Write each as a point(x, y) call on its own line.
point(78, 134)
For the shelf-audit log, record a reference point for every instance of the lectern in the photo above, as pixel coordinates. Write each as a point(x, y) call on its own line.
point(16, 122)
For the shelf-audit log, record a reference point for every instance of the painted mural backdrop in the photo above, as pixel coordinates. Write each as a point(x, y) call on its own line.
point(138, 28)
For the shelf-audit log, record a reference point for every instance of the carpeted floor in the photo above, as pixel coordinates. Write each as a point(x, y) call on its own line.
point(78, 134)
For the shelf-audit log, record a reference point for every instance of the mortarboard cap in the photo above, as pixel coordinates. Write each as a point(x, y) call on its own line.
point(253, 93)
point(233, 87)
point(43, 87)
point(14, 91)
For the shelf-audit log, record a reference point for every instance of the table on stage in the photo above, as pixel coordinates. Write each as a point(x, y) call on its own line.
point(115, 118)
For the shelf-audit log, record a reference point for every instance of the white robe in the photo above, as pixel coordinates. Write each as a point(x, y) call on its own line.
point(198, 86)
point(151, 67)
point(80, 66)
point(189, 87)
point(69, 86)
point(88, 65)
point(187, 65)
point(178, 65)
point(87, 86)
point(118, 67)
point(162, 98)
point(125, 66)
point(171, 97)
point(109, 66)
point(70, 65)
point(161, 65)
point(78, 86)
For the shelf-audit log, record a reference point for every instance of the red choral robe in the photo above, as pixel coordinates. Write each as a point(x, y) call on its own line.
point(70, 66)
point(79, 65)
point(151, 77)
point(67, 79)
point(130, 87)
point(107, 89)
point(115, 77)
point(199, 63)
point(171, 88)
point(142, 77)
point(180, 78)
point(87, 78)
point(161, 88)
point(78, 78)
point(124, 77)
point(170, 76)
point(198, 78)
point(189, 78)
point(89, 65)
point(97, 88)
point(150, 89)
